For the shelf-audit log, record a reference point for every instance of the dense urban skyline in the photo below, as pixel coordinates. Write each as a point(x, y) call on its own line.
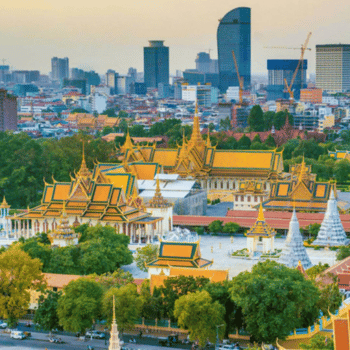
point(114, 34)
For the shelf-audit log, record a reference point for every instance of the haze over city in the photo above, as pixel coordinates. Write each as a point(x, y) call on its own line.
point(112, 34)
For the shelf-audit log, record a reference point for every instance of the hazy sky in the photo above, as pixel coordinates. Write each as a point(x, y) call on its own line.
point(110, 34)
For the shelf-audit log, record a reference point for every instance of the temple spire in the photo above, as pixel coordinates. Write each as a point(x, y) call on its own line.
point(84, 171)
point(196, 137)
point(114, 339)
point(158, 200)
point(261, 213)
point(4, 203)
point(208, 140)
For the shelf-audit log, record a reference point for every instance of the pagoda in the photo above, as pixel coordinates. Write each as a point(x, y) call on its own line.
point(261, 236)
point(64, 235)
point(294, 251)
point(5, 222)
point(331, 232)
point(114, 343)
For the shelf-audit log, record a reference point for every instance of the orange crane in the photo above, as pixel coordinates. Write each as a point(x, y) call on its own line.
point(302, 49)
point(240, 79)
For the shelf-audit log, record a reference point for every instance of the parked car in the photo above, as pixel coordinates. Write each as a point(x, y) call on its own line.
point(95, 334)
point(3, 324)
point(227, 347)
point(17, 334)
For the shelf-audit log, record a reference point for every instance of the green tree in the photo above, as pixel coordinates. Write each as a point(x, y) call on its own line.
point(115, 279)
point(19, 274)
point(200, 315)
point(215, 226)
point(330, 296)
point(138, 131)
point(309, 148)
point(151, 302)
point(343, 252)
point(145, 255)
point(271, 286)
point(225, 124)
point(80, 305)
point(315, 270)
point(231, 227)
point(175, 287)
point(107, 130)
point(79, 110)
point(268, 118)
point(211, 127)
point(65, 260)
point(46, 314)
point(128, 306)
point(270, 141)
point(342, 170)
point(110, 112)
point(256, 139)
point(313, 229)
point(244, 142)
point(255, 119)
point(37, 250)
point(318, 342)
point(123, 114)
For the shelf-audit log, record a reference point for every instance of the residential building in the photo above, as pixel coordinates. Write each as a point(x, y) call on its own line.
point(123, 85)
point(278, 70)
point(98, 102)
point(233, 34)
point(240, 115)
point(225, 110)
point(327, 121)
point(333, 67)
point(232, 93)
point(111, 80)
point(311, 95)
point(156, 64)
point(8, 111)
point(59, 68)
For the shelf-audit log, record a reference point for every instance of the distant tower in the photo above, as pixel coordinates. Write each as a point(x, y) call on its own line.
point(59, 68)
point(114, 339)
point(233, 34)
point(331, 232)
point(156, 64)
point(294, 250)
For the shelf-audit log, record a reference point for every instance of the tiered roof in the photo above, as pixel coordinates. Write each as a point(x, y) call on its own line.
point(108, 194)
point(261, 228)
point(158, 200)
point(4, 204)
point(179, 254)
point(198, 158)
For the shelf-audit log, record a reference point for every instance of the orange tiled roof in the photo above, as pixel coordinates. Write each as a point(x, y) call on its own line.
point(59, 280)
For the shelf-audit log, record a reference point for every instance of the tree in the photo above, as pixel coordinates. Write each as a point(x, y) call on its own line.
point(19, 274)
point(275, 300)
point(138, 130)
point(313, 229)
point(315, 270)
point(151, 302)
point(270, 141)
point(220, 291)
point(330, 296)
point(319, 342)
point(37, 250)
point(310, 148)
point(343, 252)
point(80, 305)
point(211, 127)
point(255, 119)
point(79, 110)
point(175, 287)
point(145, 255)
point(123, 114)
point(115, 279)
point(215, 226)
point(231, 227)
point(244, 142)
point(225, 124)
point(110, 112)
point(200, 315)
point(268, 120)
point(128, 305)
point(46, 314)
point(341, 170)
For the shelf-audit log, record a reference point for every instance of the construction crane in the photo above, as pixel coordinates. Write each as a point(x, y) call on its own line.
point(302, 49)
point(240, 79)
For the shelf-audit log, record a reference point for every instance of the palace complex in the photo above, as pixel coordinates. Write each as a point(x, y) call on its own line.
point(108, 196)
point(244, 177)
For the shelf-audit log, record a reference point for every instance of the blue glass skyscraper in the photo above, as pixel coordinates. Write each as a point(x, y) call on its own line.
point(234, 35)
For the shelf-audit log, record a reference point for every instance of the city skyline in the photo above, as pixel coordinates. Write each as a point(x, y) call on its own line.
point(113, 35)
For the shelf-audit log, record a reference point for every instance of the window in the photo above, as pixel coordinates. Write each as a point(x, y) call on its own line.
point(242, 198)
point(255, 198)
point(236, 199)
point(248, 198)
point(54, 289)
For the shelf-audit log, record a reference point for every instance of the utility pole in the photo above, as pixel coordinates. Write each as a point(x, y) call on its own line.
point(217, 336)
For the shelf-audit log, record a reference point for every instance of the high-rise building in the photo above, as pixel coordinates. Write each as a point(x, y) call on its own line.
point(111, 80)
point(278, 70)
point(8, 111)
point(59, 68)
point(333, 67)
point(205, 64)
point(156, 64)
point(233, 34)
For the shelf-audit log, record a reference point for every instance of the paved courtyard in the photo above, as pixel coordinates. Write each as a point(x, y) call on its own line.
point(222, 247)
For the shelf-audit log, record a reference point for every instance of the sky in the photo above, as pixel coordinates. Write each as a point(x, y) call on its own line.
point(110, 34)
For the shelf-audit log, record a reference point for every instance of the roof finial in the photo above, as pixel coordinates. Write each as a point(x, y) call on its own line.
point(261, 213)
point(114, 319)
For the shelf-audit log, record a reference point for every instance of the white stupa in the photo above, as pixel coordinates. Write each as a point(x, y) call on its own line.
point(332, 231)
point(114, 339)
point(294, 250)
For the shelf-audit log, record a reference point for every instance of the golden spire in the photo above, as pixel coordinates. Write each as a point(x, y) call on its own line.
point(84, 171)
point(208, 140)
point(114, 319)
point(196, 137)
point(261, 213)
point(128, 143)
point(4, 204)
point(303, 171)
point(183, 151)
point(158, 200)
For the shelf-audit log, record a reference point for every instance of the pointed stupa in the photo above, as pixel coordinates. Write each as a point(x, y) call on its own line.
point(196, 137)
point(114, 339)
point(332, 231)
point(294, 251)
point(4, 204)
point(128, 145)
point(158, 201)
point(84, 171)
point(261, 228)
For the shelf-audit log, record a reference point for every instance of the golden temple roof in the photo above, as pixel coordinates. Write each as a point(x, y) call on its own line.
point(4, 204)
point(261, 228)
